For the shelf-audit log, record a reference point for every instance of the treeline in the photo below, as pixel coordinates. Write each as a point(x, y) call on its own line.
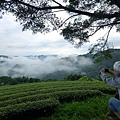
point(6, 80)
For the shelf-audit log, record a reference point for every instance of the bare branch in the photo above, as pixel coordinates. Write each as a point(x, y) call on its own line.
point(100, 46)
point(97, 29)
point(107, 36)
point(57, 3)
point(67, 20)
point(58, 11)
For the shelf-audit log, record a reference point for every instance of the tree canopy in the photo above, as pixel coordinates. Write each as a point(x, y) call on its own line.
point(84, 18)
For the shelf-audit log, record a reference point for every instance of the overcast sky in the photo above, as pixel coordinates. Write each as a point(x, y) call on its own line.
point(15, 42)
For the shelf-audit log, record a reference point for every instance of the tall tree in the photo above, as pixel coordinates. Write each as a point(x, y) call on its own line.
point(85, 18)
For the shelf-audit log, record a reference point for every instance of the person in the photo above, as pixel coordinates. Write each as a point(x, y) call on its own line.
point(114, 81)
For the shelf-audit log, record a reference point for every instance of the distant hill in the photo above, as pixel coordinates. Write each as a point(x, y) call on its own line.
point(94, 70)
point(54, 67)
point(90, 69)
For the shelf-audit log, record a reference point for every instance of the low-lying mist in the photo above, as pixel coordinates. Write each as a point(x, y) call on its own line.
point(39, 66)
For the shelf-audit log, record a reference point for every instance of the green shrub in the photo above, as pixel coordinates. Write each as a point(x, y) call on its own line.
point(13, 111)
point(29, 99)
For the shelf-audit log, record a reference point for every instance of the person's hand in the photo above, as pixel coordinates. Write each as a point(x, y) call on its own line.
point(108, 71)
point(102, 70)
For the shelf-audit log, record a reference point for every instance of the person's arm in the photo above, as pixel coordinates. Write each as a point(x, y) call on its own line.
point(114, 82)
point(111, 71)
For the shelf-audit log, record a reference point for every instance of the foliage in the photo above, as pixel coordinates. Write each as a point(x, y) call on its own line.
point(43, 97)
point(102, 55)
point(14, 111)
point(93, 71)
point(73, 77)
point(6, 80)
point(84, 78)
point(85, 18)
point(90, 109)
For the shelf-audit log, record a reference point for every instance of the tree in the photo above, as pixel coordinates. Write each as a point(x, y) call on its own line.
point(73, 77)
point(86, 18)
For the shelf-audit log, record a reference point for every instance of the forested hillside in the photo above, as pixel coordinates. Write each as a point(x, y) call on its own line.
point(93, 71)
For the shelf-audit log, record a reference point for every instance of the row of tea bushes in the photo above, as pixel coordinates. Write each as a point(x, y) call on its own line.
point(27, 110)
point(30, 100)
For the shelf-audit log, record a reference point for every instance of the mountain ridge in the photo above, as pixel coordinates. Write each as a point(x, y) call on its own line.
point(54, 67)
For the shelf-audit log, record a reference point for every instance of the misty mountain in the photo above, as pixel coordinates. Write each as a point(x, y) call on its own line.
point(53, 66)
point(41, 57)
point(42, 66)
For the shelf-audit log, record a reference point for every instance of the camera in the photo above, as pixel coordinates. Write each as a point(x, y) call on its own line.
point(106, 70)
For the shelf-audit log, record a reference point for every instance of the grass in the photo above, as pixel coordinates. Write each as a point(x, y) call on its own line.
point(94, 108)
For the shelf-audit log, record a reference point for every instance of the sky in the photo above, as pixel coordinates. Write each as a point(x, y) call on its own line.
point(14, 41)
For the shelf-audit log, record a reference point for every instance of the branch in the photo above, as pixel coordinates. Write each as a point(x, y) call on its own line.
point(107, 36)
point(38, 8)
point(67, 19)
point(97, 29)
point(116, 2)
point(114, 23)
point(101, 44)
point(58, 11)
point(95, 15)
point(57, 3)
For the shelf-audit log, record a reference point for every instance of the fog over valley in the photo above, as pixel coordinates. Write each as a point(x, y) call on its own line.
point(40, 66)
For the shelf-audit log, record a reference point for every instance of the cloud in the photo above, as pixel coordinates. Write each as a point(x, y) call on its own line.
point(33, 66)
point(114, 39)
point(15, 42)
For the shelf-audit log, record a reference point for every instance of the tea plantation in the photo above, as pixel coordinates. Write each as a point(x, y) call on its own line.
point(31, 101)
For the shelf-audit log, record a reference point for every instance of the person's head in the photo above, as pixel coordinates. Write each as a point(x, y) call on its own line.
point(116, 66)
